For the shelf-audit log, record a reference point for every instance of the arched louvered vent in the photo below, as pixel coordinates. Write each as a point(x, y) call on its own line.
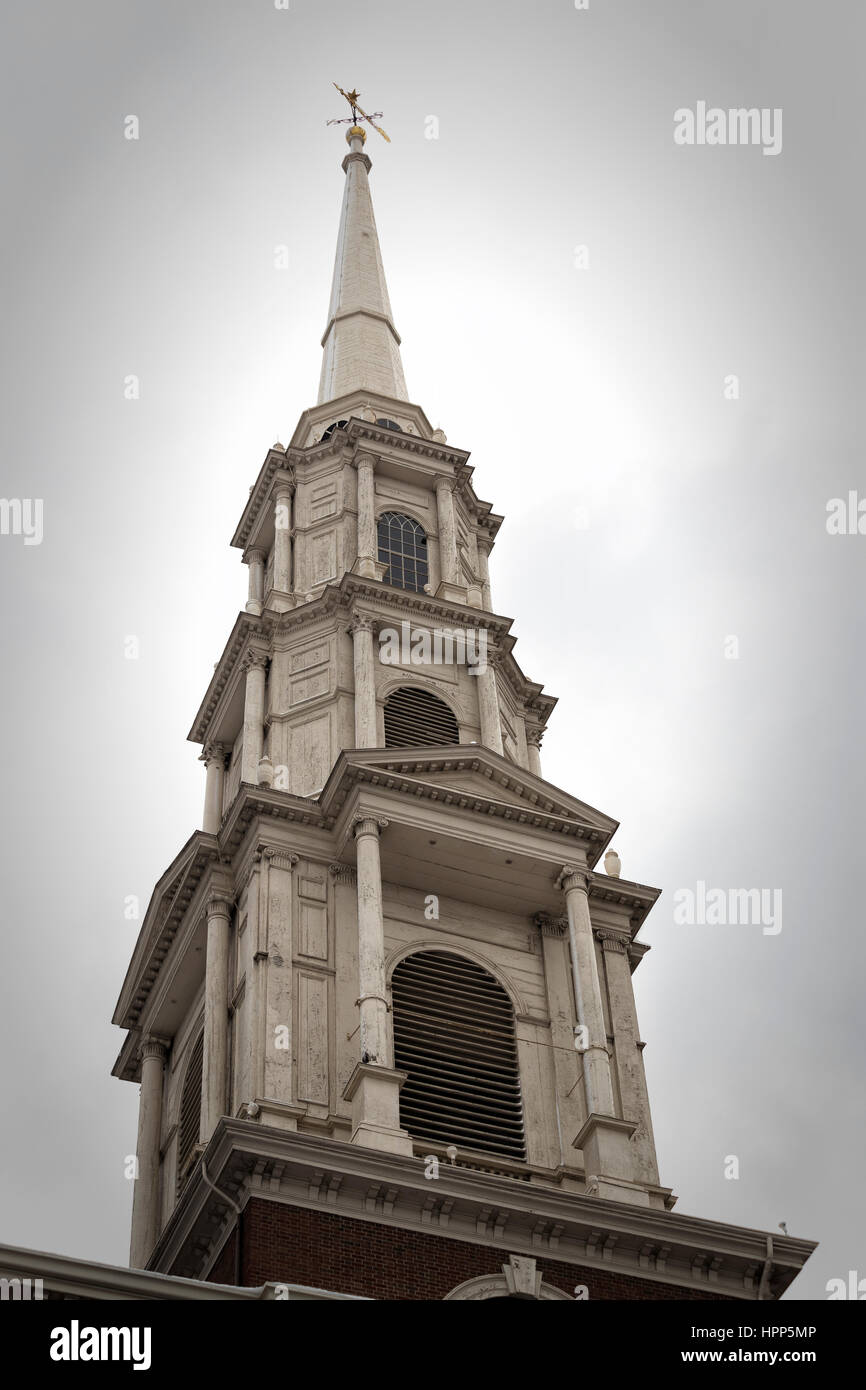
point(337, 425)
point(189, 1120)
point(402, 546)
point(454, 1036)
point(415, 717)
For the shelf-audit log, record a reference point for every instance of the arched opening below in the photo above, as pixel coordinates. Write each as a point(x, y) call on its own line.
point(454, 1036)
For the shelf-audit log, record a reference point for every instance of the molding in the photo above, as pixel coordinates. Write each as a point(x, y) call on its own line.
point(247, 627)
point(86, 1279)
point(246, 1159)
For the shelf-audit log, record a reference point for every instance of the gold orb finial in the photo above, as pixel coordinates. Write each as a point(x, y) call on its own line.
point(356, 132)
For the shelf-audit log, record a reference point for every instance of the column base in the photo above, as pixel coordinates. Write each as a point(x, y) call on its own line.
point(368, 568)
point(278, 601)
point(452, 593)
point(608, 1159)
point(375, 1095)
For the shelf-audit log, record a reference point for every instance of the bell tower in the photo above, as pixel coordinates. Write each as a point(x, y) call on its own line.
point(381, 1007)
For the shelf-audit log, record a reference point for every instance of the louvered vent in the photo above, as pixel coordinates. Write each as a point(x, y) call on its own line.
point(189, 1122)
point(454, 1036)
point(416, 717)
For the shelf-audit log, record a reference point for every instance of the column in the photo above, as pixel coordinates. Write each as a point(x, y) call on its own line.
point(533, 745)
point(145, 1193)
point(570, 1110)
point(374, 1086)
point(365, 681)
point(375, 1041)
point(488, 707)
point(447, 530)
point(216, 1015)
point(214, 759)
point(587, 989)
point(256, 560)
point(610, 1159)
point(483, 554)
point(283, 537)
point(254, 715)
point(367, 544)
point(628, 1059)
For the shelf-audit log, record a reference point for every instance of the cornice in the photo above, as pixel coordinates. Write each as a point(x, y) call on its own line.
point(87, 1279)
point(637, 898)
point(165, 913)
point(246, 1159)
point(394, 604)
point(406, 775)
point(252, 801)
point(275, 462)
point(383, 766)
point(247, 627)
point(403, 442)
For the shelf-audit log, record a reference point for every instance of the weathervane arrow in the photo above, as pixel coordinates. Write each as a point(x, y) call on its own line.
point(357, 112)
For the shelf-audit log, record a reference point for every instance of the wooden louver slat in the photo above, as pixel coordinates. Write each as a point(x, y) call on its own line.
point(189, 1121)
point(415, 717)
point(454, 1036)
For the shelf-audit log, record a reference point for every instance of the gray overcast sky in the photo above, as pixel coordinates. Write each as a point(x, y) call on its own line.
point(648, 518)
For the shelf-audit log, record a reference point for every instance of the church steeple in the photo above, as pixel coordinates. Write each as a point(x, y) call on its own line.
point(361, 345)
point(389, 955)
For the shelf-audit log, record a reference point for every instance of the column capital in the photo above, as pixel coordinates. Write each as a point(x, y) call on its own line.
point(572, 876)
point(254, 661)
point(151, 1046)
point(279, 858)
point(361, 622)
point(549, 925)
point(364, 460)
point(256, 555)
point(343, 873)
point(219, 905)
point(495, 656)
point(284, 481)
point(444, 483)
point(214, 753)
point(613, 941)
point(368, 825)
point(534, 736)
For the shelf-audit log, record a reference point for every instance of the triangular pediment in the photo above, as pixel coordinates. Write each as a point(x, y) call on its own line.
point(468, 770)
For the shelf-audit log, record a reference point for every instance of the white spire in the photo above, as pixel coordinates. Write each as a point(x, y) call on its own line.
point(361, 344)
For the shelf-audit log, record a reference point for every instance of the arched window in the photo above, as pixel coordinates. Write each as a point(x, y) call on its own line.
point(403, 548)
point(189, 1118)
point(415, 717)
point(454, 1035)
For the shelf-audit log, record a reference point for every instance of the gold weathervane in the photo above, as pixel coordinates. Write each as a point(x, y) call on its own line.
point(357, 111)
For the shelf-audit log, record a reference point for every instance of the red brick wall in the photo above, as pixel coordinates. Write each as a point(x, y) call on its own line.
point(293, 1245)
point(223, 1271)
